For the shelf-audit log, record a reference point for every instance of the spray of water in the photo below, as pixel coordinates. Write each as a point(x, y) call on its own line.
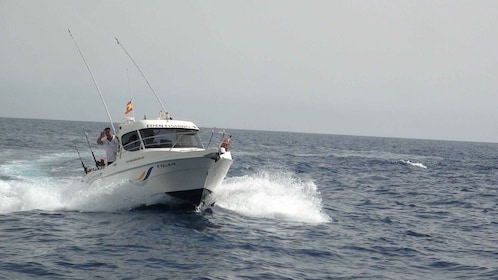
point(39, 184)
point(274, 195)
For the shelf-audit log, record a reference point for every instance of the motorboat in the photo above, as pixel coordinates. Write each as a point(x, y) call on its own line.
point(161, 156)
point(164, 156)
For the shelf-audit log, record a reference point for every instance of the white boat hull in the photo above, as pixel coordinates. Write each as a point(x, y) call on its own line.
point(188, 176)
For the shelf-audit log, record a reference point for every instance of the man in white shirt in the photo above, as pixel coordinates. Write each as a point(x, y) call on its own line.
point(110, 143)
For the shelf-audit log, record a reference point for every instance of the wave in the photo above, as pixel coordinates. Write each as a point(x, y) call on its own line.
point(274, 195)
point(414, 164)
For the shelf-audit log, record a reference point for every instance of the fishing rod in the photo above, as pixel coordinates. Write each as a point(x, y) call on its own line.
point(94, 82)
point(84, 167)
point(143, 75)
point(89, 146)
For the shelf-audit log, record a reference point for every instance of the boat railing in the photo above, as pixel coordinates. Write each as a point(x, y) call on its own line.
point(220, 139)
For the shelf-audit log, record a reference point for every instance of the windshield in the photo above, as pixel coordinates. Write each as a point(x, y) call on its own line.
point(170, 138)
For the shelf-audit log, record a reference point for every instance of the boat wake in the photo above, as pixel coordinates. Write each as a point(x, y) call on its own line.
point(70, 195)
point(278, 195)
point(274, 196)
point(48, 184)
point(40, 184)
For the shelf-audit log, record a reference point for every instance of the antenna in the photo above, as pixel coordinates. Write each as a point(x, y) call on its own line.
point(94, 82)
point(143, 75)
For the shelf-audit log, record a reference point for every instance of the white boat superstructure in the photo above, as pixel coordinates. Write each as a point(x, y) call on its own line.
point(166, 157)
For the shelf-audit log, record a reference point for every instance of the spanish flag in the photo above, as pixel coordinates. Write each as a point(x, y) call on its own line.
point(128, 108)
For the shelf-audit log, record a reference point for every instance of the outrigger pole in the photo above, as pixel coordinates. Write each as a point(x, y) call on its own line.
point(94, 82)
point(143, 75)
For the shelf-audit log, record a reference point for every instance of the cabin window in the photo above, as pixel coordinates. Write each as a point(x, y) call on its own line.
point(131, 141)
point(170, 138)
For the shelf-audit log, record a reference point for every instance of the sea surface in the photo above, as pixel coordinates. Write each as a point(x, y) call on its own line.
point(293, 206)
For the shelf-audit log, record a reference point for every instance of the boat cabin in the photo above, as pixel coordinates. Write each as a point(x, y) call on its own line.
point(154, 134)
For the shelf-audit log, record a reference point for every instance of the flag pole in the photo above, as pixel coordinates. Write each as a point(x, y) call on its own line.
point(143, 75)
point(129, 92)
point(94, 82)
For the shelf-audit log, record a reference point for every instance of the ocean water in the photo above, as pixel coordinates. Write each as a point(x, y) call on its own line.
point(293, 206)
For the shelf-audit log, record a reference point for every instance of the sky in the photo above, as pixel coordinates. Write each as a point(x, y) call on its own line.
point(408, 69)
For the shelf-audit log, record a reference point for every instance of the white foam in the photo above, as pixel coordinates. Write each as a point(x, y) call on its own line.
point(30, 185)
point(277, 195)
point(71, 195)
point(18, 195)
point(415, 164)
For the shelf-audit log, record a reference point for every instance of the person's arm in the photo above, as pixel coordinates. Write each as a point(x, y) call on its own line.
point(99, 141)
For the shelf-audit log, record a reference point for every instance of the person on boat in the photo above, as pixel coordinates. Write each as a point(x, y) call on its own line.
point(110, 143)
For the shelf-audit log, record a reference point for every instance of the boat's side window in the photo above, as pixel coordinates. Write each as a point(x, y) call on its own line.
point(131, 141)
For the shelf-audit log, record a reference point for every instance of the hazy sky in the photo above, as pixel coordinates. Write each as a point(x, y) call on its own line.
point(414, 69)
